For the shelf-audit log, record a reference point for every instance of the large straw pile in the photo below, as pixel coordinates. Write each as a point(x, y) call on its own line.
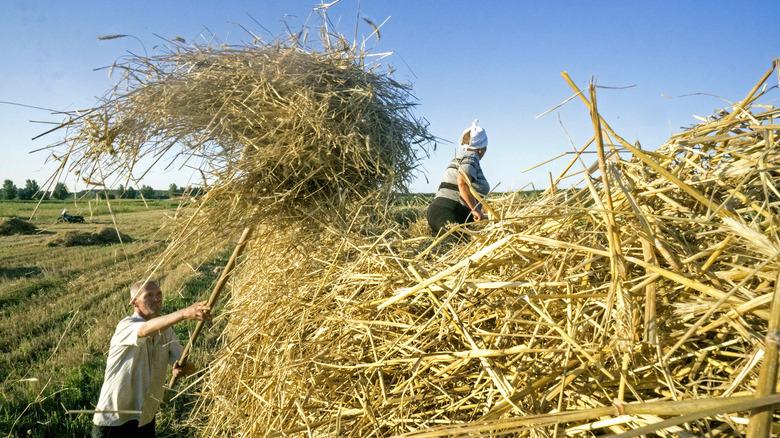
point(646, 294)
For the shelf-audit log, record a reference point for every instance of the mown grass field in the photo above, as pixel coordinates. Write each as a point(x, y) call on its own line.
point(59, 307)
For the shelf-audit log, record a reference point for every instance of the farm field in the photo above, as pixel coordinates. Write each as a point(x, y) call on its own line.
point(59, 306)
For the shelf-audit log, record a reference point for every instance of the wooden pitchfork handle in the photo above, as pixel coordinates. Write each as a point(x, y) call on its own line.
point(214, 297)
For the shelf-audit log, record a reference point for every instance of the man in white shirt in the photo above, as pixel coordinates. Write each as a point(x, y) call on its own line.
point(142, 347)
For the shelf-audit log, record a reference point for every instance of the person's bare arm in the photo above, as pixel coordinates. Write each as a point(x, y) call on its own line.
point(183, 370)
point(199, 311)
point(465, 193)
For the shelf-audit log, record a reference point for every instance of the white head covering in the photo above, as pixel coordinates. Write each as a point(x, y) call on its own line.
point(474, 137)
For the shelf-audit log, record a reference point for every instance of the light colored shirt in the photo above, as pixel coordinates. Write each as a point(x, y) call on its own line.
point(135, 373)
point(469, 162)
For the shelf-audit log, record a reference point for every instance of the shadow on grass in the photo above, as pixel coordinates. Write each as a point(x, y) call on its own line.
point(20, 272)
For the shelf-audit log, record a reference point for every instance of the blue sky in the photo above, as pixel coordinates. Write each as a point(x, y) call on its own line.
point(498, 61)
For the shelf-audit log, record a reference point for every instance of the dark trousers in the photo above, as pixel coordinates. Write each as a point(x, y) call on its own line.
point(127, 430)
point(443, 211)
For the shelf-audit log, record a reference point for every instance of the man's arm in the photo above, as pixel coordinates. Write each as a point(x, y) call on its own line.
point(465, 193)
point(183, 370)
point(199, 311)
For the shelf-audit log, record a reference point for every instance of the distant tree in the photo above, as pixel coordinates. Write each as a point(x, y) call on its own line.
point(60, 191)
point(29, 191)
point(173, 191)
point(130, 193)
point(147, 192)
point(193, 191)
point(9, 189)
point(120, 191)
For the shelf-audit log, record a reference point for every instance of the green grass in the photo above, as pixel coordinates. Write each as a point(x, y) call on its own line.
point(59, 307)
point(48, 211)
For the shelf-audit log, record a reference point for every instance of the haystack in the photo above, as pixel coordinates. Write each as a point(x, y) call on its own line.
point(103, 236)
point(13, 225)
point(643, 301)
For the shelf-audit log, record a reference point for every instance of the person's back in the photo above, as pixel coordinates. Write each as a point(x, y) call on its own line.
point(468, 161)
point(454, 203)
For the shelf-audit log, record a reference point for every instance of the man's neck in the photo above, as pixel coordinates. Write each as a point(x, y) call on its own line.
point(143, 315)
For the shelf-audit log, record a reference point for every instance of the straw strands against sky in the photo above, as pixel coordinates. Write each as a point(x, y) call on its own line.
point(279, 125)
point(496, 61)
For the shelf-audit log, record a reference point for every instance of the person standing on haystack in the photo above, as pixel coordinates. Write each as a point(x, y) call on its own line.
point(142, 347)
point(454, 203)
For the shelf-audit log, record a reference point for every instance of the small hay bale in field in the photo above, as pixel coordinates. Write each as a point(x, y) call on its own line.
point(72, 238)
point(12, 225)
point(108, 235)
point(104, 236)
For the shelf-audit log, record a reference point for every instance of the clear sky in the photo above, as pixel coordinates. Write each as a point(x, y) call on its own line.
point(498, 61)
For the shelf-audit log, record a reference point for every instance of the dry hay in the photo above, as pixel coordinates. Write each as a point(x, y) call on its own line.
point(289, 127)
point(643, 295)
point(103, 236)
point(13, 225)
point(652, 284)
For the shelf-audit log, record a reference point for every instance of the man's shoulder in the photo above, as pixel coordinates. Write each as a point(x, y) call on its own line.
point(469, 159)
point(468, 155)
point(128, 323)
point(132, 319)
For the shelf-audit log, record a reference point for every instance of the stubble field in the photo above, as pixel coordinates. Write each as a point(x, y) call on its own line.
point(59, 306)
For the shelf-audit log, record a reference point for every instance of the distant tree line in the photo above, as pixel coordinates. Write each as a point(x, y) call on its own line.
point(31, 191)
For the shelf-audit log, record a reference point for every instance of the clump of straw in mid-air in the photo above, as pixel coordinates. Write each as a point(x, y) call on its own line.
point(280, 129)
